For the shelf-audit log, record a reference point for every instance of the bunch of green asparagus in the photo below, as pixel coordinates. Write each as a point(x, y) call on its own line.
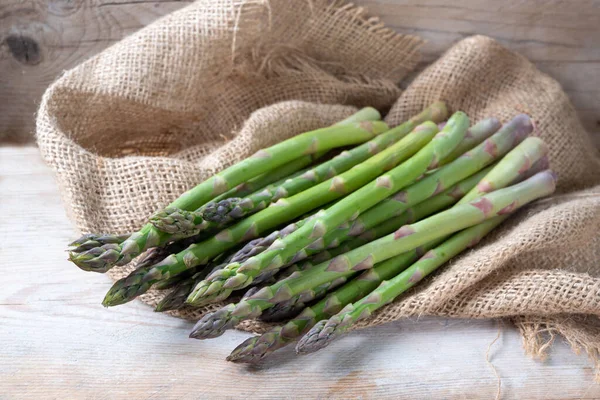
point(318, 241)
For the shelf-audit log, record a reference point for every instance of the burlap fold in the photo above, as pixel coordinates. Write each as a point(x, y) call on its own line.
point(204, 87)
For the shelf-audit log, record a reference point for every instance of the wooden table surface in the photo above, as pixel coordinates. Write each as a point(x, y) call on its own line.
point(58, 342)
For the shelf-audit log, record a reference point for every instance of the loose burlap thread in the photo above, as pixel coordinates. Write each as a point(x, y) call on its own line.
point(130, 129)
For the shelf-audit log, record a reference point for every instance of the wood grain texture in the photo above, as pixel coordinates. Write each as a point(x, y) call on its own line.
point(58, 342)
point(561, 37)
point(41, 38)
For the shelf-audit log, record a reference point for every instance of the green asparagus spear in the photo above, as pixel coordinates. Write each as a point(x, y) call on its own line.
point(509, 136)
point(232, 209)
point(411, 215)
point(124, 287)
point(256, 246)
point(475, 135)
point(173, 220)
point(289, 308)
point(278, 155)
point(528, 158)
point(517, 162)
point(374, 225)
point(177, 221)
point(276, 176)
point(514, 164)
point(520, 163)
point(288, 209)
point(127, 288)
point(237, 276)
point(91, 240)
point(214, 214)
point(176, 298)
point(227, 212)
point(290, 170)
point(292, 307)
point(364, 114)
point(177, 279)
point(263, 161)
point(459, 217)
point(255, 348)
point(409, 237)
point(324, 331)
point(498, 145)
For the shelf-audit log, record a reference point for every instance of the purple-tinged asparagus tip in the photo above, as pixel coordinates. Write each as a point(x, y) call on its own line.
point(316, 339)
point(98, 259)
point(250, 351)
point(212, 325)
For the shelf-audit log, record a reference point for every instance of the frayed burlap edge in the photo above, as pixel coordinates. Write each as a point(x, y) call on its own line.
point(580, 332)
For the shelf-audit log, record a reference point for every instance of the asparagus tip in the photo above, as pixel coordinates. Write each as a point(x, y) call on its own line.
point(111, 300)
point(223, 211)
point(211, 325)
point(117, 294)
point(89, 261)
point(315, 339)
point(249, 351)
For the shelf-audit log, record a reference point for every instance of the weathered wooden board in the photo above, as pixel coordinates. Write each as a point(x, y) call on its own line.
point(562, 37)
point(41, 38)
point(58, 342)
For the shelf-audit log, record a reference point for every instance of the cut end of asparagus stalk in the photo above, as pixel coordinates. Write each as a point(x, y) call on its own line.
point(474, 136)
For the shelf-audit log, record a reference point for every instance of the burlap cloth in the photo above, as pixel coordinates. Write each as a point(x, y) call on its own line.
point(133, 127)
